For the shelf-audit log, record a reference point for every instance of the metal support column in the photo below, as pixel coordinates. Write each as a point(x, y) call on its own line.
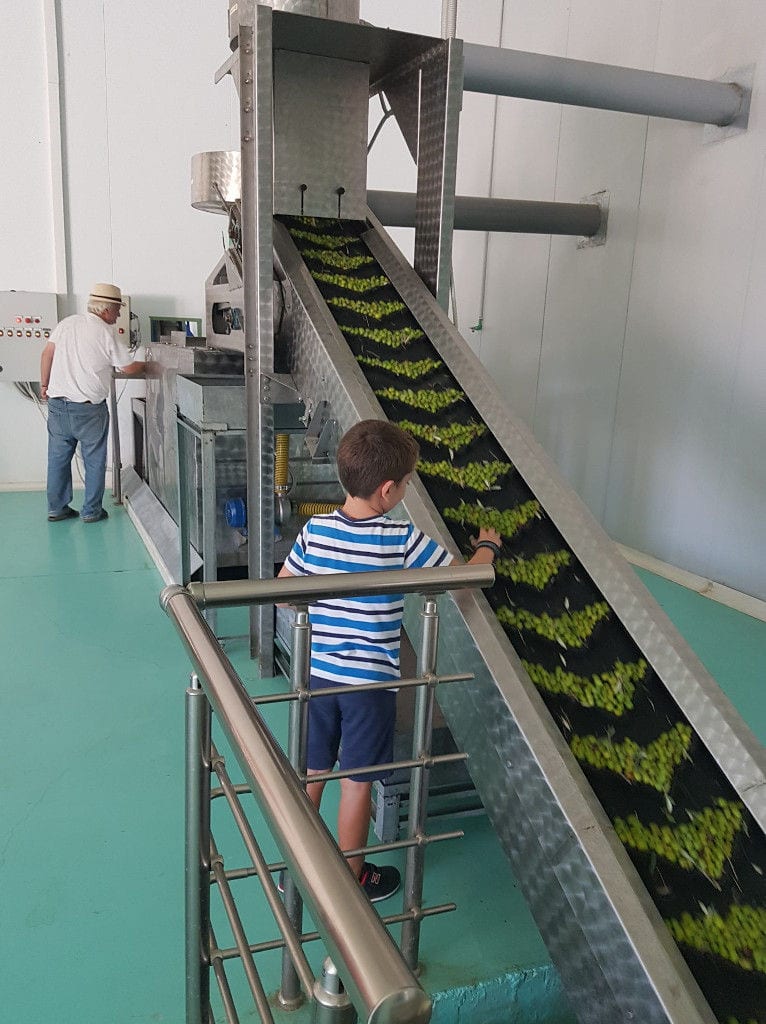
point(440, 101)
point(208, 509)
point(418, 802)
point(197, 875)
point(184, 560)
point(255, 97)
point(297, 751)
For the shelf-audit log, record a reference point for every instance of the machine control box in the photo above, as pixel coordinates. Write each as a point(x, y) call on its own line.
point(26, 322)
point(27, 314)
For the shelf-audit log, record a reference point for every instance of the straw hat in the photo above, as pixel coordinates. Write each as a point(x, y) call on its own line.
point(106, 293)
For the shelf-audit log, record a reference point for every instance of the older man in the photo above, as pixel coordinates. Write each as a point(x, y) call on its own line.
point(75, 374)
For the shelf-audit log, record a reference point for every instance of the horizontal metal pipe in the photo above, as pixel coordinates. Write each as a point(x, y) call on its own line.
point(477, 213)
point(379, 983)
point(264, 947)
point(309, 589)
point(390, 766)
point(538, 76)
point(401, 684)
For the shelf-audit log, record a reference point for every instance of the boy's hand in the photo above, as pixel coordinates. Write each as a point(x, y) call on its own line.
point(490, 546)
point(487, 534)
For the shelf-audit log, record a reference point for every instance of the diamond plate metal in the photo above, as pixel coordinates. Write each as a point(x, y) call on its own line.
point(320, 135)
point(441, 97)
point(607, 938)
point(255, 91)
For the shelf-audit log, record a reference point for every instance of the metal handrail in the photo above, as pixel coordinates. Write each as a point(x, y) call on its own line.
point(379, 982)
point(306, 590)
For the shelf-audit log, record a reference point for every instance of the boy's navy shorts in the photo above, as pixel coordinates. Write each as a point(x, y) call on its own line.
point(355, 729)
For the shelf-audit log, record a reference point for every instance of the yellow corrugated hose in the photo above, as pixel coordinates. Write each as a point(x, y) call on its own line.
point(281, 463)
point(316, 508)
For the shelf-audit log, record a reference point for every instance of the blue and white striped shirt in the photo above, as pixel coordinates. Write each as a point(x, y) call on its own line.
point(356, 640)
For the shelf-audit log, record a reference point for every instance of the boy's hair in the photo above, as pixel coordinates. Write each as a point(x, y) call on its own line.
point(372, 452)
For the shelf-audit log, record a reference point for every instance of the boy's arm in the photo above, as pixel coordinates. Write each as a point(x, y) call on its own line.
point(487, 547)
point(283, 572)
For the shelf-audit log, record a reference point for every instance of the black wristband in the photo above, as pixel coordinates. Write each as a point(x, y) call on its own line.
point(494, 548)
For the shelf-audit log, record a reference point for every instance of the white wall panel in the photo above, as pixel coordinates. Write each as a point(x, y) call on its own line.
point(680, 451)
point(26, 252)
point(525, 160)
point(737, 557)
point(26, 258)
point(587, 295)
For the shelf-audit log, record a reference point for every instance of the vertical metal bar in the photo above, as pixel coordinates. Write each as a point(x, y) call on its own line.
point(256, 146)
point(297, 751)
point(418, 801)
point(439, 114)
point(197, 854)
point(184, 561)
point(208, 503)
point(116, 454)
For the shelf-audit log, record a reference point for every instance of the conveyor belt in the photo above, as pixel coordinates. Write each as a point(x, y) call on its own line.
point(594, 675)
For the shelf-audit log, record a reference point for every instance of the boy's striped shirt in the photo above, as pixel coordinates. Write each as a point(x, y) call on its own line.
point(356, 640)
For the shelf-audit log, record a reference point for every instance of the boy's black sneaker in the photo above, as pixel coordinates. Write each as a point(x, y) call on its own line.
point(379, 882)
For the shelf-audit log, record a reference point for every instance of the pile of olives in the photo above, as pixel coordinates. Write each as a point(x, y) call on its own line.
point(610, 691)
point(341, 260)
point(411, 368)
point(507, 521)
point(704, 844)
point(477, 476)
point(739, 937)
point(323, 241)
point(570, 629)
point(375, 310)
point(350, 284)
point(653, 765)
point(454, 436)
point(382, 336)
point(426, 398)
point(537, 571)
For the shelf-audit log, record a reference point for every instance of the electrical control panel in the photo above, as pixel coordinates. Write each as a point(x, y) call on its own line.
point(26, 322)
point(122, 327)
point(27, 314)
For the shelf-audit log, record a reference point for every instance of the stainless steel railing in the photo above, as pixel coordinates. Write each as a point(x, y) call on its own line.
point(377, 977)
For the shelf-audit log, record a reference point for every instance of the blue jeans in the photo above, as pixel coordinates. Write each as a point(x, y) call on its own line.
point(68, 423)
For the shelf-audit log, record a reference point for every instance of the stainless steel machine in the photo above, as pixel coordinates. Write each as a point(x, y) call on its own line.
point(628, 794)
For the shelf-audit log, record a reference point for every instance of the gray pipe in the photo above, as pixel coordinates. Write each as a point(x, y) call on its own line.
point(476, 213)
point(537, 76)
point(378, 980)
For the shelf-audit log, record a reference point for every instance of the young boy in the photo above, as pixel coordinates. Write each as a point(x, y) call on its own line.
point(356, 640)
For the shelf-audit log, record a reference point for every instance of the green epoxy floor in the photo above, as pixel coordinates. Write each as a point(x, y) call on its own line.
point(91, 834)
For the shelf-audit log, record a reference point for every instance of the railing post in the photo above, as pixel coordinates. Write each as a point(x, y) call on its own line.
point(197, 854)
point(184, 560)
point(418, 801)
point(331, 1002)
point(290, 995)
point(116, 452)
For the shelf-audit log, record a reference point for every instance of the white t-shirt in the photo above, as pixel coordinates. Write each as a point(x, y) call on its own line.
point(86, 351)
